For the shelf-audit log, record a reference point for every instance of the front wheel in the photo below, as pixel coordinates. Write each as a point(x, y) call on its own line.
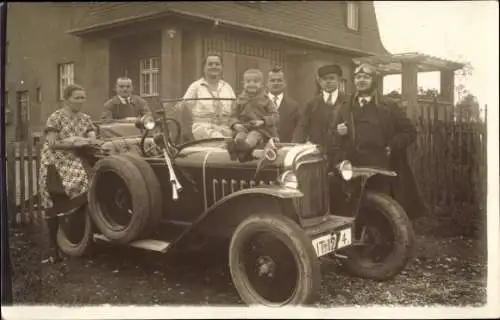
point(385, 239)
point(273, 262)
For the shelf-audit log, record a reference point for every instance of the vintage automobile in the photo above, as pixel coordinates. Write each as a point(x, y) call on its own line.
point(150, 191)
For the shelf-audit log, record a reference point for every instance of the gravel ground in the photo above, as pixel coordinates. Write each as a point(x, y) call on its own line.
point(447, 271)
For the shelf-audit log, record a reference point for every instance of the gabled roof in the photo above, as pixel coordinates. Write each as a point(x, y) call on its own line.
point(392, 64)
point(320, 22)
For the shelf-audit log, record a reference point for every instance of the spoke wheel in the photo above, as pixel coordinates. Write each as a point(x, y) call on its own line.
point(385, 241)
point(273, 262)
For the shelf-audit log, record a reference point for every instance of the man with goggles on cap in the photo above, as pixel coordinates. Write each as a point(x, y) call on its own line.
point(373, 131)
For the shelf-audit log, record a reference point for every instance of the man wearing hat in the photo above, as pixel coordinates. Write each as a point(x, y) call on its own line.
point(318, 115)
point(373, 131)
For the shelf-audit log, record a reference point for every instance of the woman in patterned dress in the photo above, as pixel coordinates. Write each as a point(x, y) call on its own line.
point(63, 178)
point(208, 118)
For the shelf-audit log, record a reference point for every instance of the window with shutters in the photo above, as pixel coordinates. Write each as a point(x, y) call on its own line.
point(66, 74)
point(150, 77)
point(352, 15)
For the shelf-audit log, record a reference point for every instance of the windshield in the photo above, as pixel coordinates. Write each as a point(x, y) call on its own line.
point(118, 128)
point(200, 119)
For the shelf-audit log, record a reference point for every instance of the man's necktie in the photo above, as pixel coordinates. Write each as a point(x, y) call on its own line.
point(276, 101)
point(329, 101)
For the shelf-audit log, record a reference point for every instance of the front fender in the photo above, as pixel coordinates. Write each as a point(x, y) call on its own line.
point(222, 218)
point(347, 195)
point(368, 172)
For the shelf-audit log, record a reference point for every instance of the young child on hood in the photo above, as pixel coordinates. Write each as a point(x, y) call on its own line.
point(254, 117)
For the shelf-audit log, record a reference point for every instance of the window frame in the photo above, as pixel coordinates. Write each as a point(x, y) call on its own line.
point(151, 72)
point(61, 75)
point(353, 9)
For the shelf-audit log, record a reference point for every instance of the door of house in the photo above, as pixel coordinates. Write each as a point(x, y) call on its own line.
point(236, 64)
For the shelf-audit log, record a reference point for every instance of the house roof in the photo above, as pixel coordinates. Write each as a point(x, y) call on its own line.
point(392, 64)
point(319, 22)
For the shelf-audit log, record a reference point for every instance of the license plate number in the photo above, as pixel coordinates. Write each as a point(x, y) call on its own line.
point(330, 242)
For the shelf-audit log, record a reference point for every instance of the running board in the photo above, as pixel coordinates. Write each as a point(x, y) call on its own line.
point(146, 244)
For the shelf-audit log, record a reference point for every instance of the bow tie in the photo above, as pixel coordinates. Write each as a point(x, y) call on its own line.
point(364, 100)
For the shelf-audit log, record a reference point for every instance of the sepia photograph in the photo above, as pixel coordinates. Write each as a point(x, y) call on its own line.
point(250, 159)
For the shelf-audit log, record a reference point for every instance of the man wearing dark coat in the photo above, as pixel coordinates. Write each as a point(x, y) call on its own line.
point(319, 113)
point(373, 131)
point(288, 109)
point(124, 104)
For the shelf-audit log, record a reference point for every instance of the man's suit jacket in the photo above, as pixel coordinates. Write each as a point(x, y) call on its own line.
point(316, 121)
point(115, 109)
point(289, 115)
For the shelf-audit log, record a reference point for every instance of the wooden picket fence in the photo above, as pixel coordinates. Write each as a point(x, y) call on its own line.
point(449, 162)
point(448, 159)
point(22, 168)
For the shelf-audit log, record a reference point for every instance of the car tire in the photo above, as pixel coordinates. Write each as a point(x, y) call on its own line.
point(302, 253)
point(403, 239)
point(135, 183)
point(74, 236)
point(154, 190)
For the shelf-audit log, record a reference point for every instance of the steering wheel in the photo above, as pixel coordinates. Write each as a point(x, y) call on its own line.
point(158, 138)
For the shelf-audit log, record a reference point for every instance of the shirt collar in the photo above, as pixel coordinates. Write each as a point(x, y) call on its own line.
point(124, 100)
point(220, 84)
point(279, 96)
point(334, 93)
point(368, 98)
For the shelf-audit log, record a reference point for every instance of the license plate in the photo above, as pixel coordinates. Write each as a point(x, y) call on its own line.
point(330, 242)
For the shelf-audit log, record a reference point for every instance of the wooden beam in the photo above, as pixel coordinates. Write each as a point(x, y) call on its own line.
point(171, 63)
point(409, 86)
point(447, 85)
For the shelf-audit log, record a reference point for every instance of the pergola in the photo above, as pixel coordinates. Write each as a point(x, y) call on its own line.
point(409, 65)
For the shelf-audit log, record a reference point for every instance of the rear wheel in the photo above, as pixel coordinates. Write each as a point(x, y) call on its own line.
point(386, 241)
point(119, 199)
point(74, 236)
point(273, 262)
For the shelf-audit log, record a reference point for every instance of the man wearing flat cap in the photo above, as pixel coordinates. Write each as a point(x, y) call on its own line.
point(373, 131)
point(318, 115)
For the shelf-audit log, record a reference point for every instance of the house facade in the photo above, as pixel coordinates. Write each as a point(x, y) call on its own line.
point(161, 46)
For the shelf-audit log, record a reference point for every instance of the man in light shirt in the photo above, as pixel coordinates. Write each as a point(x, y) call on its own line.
point(288, 109)
point(124, 104)
point(316, 120)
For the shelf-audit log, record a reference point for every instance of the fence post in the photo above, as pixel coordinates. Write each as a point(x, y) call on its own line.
point(29, 215)
point(38, 151)
point(11, 183)
point(22, 182)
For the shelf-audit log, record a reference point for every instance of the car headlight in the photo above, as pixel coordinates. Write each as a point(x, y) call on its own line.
point(289, 180)
point(148, 122)
point(345, 169)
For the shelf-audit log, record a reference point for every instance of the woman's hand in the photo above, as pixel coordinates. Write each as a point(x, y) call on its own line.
point(257, 123)
point(239, 127)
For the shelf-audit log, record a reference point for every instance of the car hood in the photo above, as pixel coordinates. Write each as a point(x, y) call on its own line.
point(215, 155)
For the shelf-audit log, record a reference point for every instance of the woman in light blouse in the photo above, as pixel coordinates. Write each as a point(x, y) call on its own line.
point(209, 118)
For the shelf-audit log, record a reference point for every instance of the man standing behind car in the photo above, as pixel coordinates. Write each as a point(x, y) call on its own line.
point(288, 109)
point(124, 104)
point(374, 132)
point(319, 113)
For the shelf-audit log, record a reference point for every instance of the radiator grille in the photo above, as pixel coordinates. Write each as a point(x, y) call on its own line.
point(313, 183)
point(223, 187)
